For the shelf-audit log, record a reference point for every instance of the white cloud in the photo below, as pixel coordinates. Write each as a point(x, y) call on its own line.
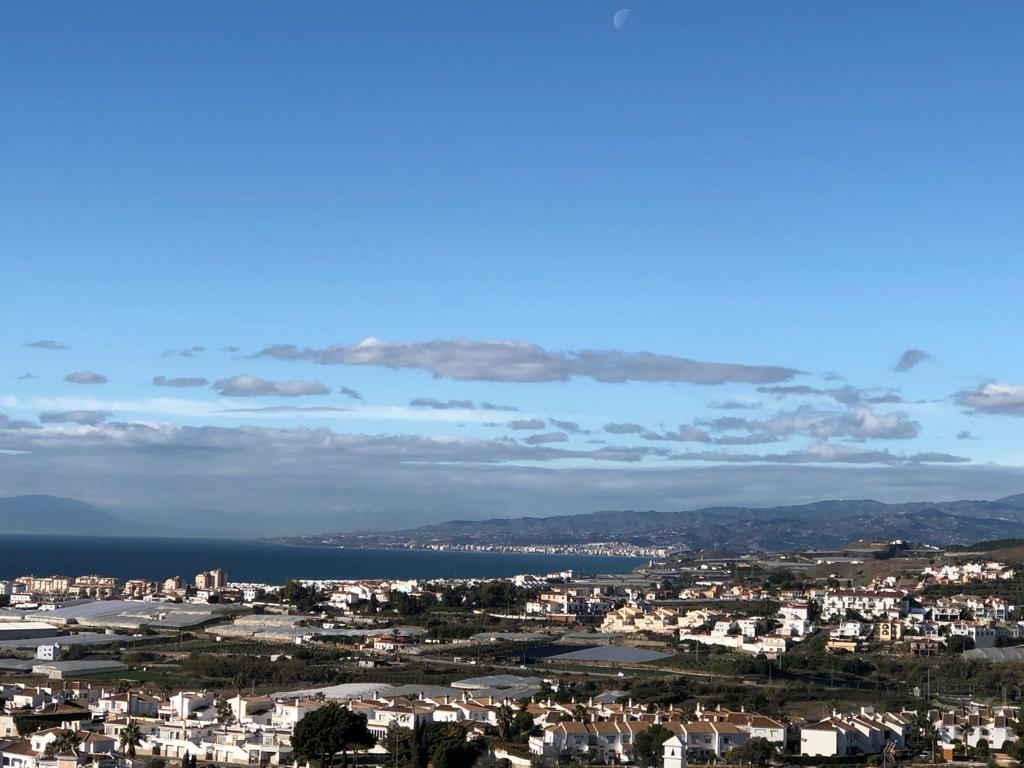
point(993, 398)
point(520, 361)
point(244, 385)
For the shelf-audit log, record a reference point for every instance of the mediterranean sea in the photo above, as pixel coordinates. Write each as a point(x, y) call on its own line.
point(268, 563)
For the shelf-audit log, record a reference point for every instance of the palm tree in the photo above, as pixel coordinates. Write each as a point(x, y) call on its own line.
point(225, 714)
point(505, 720)
point(968, 731)
point(67, 741)
point(131, 737)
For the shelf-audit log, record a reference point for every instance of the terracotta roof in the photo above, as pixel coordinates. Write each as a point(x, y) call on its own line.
point(20, 747)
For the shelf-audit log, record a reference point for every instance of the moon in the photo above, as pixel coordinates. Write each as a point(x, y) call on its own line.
point(620, 18)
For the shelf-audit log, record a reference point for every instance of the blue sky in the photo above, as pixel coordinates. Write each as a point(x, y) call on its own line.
point(801, 192)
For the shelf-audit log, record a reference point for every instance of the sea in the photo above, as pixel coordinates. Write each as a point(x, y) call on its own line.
point(263, 562)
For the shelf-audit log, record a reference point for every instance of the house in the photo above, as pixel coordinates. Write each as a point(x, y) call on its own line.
point(925, 646)
point(864, 732)
point(758, 726)
point(612, 741)
point(258, 710)
point(993, 725)
point(829, 738)
point(561, 737)
point(889, 631)
point(29, 698)
point(289, 711)
point(48, 652)
point(870, 603)
point(18, 754)
point(844, 646)
point(983, 635)
point(186, 704)
point(131, 703)
point(674, 752)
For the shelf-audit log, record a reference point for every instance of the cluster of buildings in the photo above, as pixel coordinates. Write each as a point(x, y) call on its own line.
point(964, 573)
point(886, 611)
point(37, 591)
point(30, 589)
point(256, 730)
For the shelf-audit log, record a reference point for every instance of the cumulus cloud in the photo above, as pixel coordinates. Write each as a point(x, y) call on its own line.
point(527, 424)
point(755, 438)
point(47, 344)
point(442, 405)
point(516, 361)
point(547, 437)
point(860, 423)
point(966, 435)
point(994, 399)
point(496, 407)
point(847, 395)
point(567, 426)
point(229, 349)
point(251, 386)
point(87, 418)
point(734, 405)
point(26, 376)
point(690, 433)
point(225, 442)
point(86, 377)
point(14, 425)
point(623, 428)
point(187, 381)
point(351, 393)
point(909, 359)
point(823, 453)
point(686, 433)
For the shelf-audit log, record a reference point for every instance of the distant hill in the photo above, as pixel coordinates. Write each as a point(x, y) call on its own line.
point(54, 514)
point(817, 525)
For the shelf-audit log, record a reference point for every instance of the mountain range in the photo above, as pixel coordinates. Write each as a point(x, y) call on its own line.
point(819, 524)
point(40, 513)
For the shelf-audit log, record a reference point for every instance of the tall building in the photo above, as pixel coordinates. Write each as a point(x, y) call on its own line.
point(214, 579)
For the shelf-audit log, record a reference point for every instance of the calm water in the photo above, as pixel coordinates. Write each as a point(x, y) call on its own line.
point(252, 561)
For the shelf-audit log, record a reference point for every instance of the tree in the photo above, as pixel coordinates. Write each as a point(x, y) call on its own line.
point(66, 741)
point(299, 595)
point(959, 644)
point(647, 746)
point(505, 721)
point(755, 751)
point(523, 724)
point(461, 755)
point(131, 737)
point(332, 728)
point(225, 714)
point(445, 745)
point(402, 747)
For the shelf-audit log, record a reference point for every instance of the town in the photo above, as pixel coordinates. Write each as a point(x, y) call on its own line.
point(879, 650)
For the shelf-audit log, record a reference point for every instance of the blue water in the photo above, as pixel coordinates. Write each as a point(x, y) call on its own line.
point(253, 561)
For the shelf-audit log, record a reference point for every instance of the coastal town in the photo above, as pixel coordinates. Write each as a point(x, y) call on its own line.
point(878, 651)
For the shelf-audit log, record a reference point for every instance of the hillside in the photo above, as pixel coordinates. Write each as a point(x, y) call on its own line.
point(55, 514)
point(820, 524)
